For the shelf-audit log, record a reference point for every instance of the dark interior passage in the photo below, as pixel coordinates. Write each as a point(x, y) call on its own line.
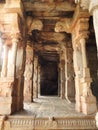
point(49, 78)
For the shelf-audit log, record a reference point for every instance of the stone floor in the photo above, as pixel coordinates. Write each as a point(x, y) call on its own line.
point(46, 106)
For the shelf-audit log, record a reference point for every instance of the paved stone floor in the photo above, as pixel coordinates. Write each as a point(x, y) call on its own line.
point(49, 107)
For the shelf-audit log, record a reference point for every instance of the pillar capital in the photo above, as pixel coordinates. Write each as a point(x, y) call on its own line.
point(15, 37)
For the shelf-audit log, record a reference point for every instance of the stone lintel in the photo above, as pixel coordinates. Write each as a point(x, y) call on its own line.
point(43, 6)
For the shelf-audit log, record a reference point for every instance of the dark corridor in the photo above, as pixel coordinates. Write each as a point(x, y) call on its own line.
point(49, 78)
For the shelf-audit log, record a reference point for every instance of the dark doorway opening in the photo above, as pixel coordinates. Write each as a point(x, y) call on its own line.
point(49, 78)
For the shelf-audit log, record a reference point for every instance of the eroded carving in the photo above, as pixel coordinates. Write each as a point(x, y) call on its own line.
point(64, 25)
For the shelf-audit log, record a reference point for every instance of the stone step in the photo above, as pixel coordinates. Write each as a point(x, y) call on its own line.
point(65, 123)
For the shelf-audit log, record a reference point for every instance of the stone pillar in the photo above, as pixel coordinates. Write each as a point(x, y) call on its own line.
point(28, 74)
point(8, 93)
point(1, 48)
point(69, 73)
point(35, 78)
point(39, 79)
point(77, 58)
point(62, 75)
point(12, 58)
point(83, 49)
point(66, 75)
point(59, 81)
point(88, 101)
point(5, 62)
point(93, 9)
point(1, 44)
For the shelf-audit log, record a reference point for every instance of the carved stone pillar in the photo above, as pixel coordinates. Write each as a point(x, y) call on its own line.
point(39, 79)
point(83, 49)
point(35, 78)
point(5, 62)
point(12, 63)
point(77, 58)
point(28, 74)
point(1, 47)
point(93, 8)
point(1, 44)
point(66, 75)
point(87, 99)
point(69, 73)
point(62, 75)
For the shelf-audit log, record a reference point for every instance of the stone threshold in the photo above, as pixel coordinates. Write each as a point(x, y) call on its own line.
point(33, 123)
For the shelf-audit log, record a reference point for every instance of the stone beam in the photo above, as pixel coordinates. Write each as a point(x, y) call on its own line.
point(37, 6)
point(52, 36)
point(44, 48)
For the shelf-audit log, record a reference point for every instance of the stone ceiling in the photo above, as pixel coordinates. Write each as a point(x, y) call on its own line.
point(49, 12)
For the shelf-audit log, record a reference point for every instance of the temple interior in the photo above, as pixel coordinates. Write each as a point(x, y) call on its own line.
point(48, 64)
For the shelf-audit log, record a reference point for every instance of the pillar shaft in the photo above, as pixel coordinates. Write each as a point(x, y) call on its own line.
point(14, 51)
point(88, 101)
point(12, 58)
point(83, 49)
point(0, 46)
point(39, 80)
point(95, 22)
point(77, 58)
point(5, 61)
point(28, 74)
point(35, 78)
point(62, 75)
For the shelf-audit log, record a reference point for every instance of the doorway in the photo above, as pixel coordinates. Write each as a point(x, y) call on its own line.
point(49, 78)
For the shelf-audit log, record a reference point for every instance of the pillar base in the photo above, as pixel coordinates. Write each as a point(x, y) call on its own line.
point(78, 107)
point(88, 105)
point(28, 98)
point(78, 104)
point(5, 105)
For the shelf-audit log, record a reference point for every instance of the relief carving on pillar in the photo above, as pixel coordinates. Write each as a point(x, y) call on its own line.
point(6, 89)
point(28, 74)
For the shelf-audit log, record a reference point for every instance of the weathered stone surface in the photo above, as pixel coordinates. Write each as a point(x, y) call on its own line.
point(28, 74)
point(42, 23)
